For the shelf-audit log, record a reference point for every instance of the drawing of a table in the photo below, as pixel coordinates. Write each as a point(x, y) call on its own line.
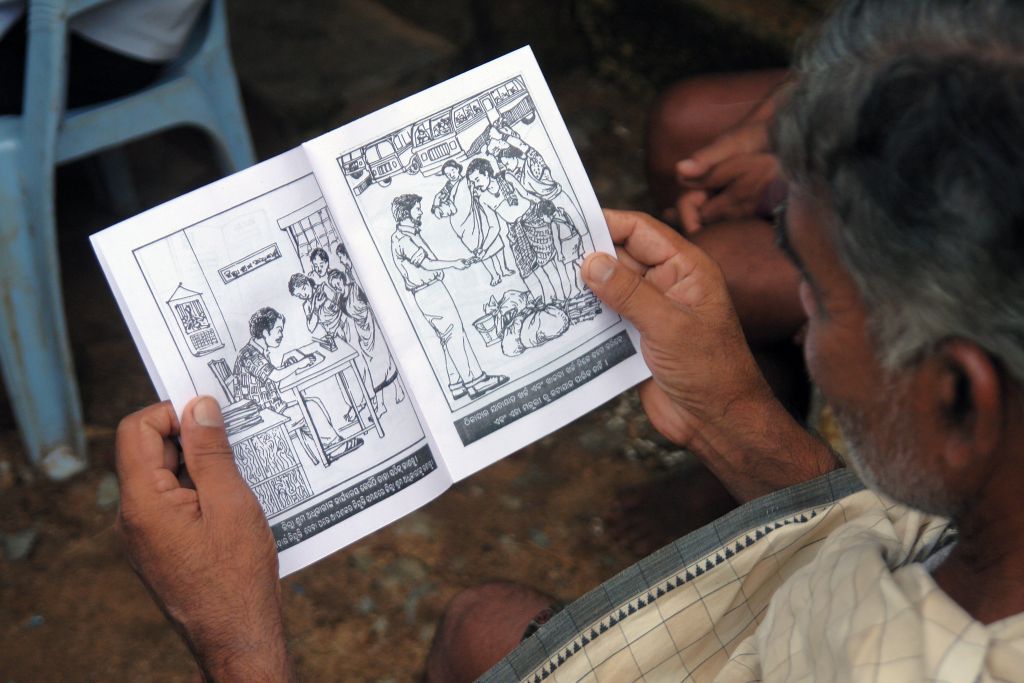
point(335, 364)
point(268, 464)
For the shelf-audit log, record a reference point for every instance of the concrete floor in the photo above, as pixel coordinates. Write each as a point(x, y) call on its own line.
point(71, 608)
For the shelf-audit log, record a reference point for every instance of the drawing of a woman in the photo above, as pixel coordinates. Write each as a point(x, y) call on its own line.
point(378, 366)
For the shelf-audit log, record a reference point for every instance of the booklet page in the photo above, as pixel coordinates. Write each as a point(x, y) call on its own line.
point(244, 290)
point(469, 212)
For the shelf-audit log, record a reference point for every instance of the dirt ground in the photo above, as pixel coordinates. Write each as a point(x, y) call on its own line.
point(71, 609)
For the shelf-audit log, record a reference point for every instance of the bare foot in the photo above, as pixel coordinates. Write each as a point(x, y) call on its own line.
point(654, 514)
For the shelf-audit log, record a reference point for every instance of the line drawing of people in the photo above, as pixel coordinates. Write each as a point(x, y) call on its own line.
point(379, 363)
point(323, 308)
point(570, 245)
point(318, 265)
point(456, 201)
point(319, 304)
point(531, 236)
point(525, 168)
point(256, 378)
point(423, 276)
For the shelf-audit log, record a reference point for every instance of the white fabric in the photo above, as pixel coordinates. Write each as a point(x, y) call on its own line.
point(834, 593)
point(148, 30)
point(863, 611)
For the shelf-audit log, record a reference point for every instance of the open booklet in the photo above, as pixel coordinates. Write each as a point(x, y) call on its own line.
point(386, 309)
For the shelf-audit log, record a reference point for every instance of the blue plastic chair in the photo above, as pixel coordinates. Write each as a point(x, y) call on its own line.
point(199, 88)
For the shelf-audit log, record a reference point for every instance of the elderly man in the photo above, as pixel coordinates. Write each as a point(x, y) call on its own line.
point(902, 140)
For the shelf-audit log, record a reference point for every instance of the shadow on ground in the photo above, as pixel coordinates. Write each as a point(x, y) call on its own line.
point(72, 610)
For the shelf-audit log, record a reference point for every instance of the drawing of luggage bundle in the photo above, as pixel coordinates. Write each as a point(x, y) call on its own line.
point(457, 132)
point(518, 322)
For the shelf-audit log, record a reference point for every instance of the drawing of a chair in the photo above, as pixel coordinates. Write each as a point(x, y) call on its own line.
point(199, 88)
point(222, 372)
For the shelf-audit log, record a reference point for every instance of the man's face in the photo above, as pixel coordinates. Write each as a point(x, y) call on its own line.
point(319, 265)
point(275, 334)
point(873, 407)
point(345, 263)
point(416, 213)
point(304, 291)
point(479, 180)
point(451, 173)
point(509, 164)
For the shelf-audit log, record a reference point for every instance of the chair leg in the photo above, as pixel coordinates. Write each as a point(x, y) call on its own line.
point(120, 186)
point(231, 135)
point(34, 351)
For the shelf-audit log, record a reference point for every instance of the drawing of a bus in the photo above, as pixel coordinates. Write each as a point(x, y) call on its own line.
point(459, 131)
point(390, 156)
point(353, 164)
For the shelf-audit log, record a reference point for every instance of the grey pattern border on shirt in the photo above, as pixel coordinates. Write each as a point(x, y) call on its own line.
point(559, 639)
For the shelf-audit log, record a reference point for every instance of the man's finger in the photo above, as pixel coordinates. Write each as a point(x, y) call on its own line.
point(208, 455)
point(706, 158)
point(142, 462)
point(690, 170)
point(689, 210)
point(647, 240)
point(627, 293)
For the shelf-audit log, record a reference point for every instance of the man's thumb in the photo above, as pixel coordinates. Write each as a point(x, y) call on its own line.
point(208, 456)
point(626, 292)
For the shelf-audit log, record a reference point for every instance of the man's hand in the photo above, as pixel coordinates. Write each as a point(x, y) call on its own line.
point(707, 392)
point(205, 553)
point(726, 179)
point(690, 335)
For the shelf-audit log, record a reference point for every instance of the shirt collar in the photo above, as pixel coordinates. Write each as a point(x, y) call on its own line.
point(408, 229)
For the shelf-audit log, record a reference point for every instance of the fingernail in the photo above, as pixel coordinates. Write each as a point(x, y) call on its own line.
point(206, 413)
point(687, 166)
point(600, 268)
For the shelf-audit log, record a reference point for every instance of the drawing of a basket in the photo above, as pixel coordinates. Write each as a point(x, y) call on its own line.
point(487, 329)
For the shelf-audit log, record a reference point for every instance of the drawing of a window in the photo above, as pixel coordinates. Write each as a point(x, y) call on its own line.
point(310, 227)
point(193, 319)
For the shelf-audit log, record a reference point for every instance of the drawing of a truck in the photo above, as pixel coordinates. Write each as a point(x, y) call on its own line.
point(390, 156)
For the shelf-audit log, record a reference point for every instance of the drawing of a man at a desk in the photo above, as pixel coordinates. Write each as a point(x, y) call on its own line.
point(257, 378)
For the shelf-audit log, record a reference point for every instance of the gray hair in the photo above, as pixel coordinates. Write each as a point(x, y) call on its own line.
point(906, 122)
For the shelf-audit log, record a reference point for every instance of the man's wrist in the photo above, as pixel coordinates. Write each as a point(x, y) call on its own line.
point(257, 653)
point(756, 447)
point(267, 661)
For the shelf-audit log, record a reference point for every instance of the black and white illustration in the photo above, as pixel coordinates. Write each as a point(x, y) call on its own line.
point(266, 312)
point(482, 235)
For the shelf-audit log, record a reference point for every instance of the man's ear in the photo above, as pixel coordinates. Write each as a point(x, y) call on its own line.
point(970, 401)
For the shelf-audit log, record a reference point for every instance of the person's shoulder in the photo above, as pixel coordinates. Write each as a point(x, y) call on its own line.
point(246, 354)
point(248, 349)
